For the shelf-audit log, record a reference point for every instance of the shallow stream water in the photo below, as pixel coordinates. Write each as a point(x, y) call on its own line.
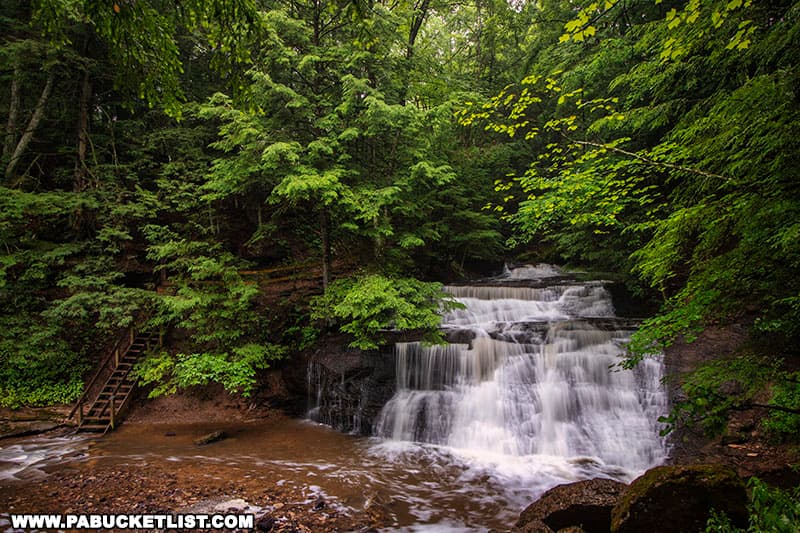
point(425, 487)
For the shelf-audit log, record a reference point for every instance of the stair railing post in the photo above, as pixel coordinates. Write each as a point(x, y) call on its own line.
point(80, 413)
point(132, 335)
point(116, 357)
point(113, 401)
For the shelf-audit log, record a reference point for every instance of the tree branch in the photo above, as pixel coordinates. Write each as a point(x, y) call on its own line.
point(782, 409)
point(652, 161)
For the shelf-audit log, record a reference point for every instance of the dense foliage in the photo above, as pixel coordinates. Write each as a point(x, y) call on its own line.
point(739, 383)
point(770, 509)
point(155, 152)
point(371, 304)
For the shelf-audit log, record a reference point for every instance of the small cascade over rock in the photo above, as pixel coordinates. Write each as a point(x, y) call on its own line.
point(534, 374)
point(348, 388)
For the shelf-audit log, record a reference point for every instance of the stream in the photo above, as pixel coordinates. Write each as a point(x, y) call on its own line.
point(527, 399)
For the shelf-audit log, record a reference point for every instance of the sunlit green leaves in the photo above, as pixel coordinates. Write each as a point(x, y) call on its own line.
point(367, 306)
point(581, 27)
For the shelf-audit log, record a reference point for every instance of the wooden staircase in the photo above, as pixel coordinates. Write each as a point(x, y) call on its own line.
point(105, 412)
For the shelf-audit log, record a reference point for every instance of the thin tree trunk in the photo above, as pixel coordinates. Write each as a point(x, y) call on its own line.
point(478, 50)
point(420, 12)
point(36, 118)
point(80, 183)
point(324, 230)
point(13, 113)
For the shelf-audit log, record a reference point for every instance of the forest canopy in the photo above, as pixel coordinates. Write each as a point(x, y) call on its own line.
point(177, 146)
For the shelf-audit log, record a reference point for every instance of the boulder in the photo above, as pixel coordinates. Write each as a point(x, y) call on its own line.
point(585, 504)
point(214, 436)
point(679, 498)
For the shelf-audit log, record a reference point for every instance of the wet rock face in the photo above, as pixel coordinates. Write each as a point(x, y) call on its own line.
point(679, 498)
point(585, 505)
point(348, 389)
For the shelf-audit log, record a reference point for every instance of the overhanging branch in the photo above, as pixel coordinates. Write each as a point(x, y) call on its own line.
point(650, 161)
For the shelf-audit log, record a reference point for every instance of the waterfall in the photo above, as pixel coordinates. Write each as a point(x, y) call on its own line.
point(538, 379)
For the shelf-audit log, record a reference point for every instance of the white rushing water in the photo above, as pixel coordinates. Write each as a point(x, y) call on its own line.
point(536, 396)
point(28, 459)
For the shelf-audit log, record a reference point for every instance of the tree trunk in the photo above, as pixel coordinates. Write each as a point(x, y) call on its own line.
point(325, 233)
point(80, 182)
point(36, 118)
point(13, 112)
point(420, 12)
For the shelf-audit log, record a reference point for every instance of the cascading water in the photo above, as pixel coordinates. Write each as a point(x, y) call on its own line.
point(536, 385)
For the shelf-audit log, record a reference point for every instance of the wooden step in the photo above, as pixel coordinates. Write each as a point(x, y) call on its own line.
point(104, 399)
point(96, 428)
point(107, 396)
point(98, 412)
point(120, 396)
point(123, 388)
point(101, 403)
point(99, 419)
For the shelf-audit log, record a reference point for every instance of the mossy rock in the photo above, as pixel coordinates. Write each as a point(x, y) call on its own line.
point(679, 499)
point(582, 506)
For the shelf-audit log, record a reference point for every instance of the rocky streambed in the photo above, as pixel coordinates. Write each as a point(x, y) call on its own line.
point(305, 477)
point(166, 469)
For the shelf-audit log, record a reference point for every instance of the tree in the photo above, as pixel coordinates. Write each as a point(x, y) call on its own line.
point(370, 305)
point(667, 133)
point(74, 192)
point(208, 297)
